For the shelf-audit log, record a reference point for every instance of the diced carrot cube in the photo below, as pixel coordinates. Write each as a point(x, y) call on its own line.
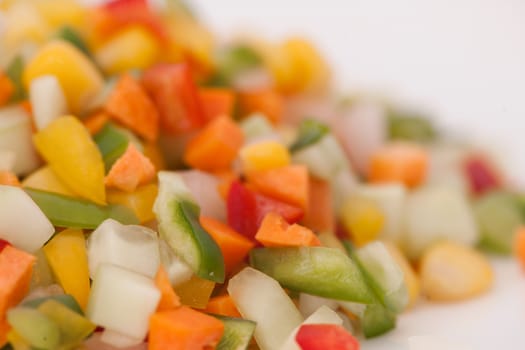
point(216, 102)
point(222, 305)
point(182, 329)
point(130, 170)
point(268, 102)
point(320, 214)
point(168, 298)
point(8, 178)
point(399, 162)
point(16, 267)
point(275, 232)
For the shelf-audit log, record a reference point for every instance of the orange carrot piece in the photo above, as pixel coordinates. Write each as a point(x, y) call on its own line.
point(130, 105)
point(16, 267)
point(153, 152)
point(216, 102)
point(7, 88)
point(95, 122)
point(8, 178)
point(399, 162)
point(4, 329)
point(519, 245)
point(320, 214)
point(168, 298)
point(182, 329)
point(226, 178)
point(130, 170)
point(222, 305)
point(268, 102)
point(215, 147)
point(288, 184)
point(275, 232)
point(234, 246)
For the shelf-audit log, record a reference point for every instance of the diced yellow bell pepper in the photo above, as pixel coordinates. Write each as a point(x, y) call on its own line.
point(25, 25)
point(189, 41)
point(411, 278)
point(73, 156)
point(78, 77)
point(45, 179)
point(363, 219)
point(66, 254)
point(17, 342)
point(264, 155)
point(132, 48)
point(140, 201)
point(195, 292)
point(61, 12)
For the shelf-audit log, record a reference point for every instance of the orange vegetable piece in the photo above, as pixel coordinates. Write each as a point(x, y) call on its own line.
point(8, 178)
point(276, 232)
point(215, 147)
point(183, 329)
point(288, 184)
point(6, 89)
point(399, 162)
point(234, 246)
point(95, 122)
point(519, 245)
point(168, 298)
point(268, 102)
point(4, 329)
point(153, 152)
point(222, 305)
point(226, 178)
point(16, 267)
point(130, 170)
point(216, 102)
point(130, 105)
point(320, 214)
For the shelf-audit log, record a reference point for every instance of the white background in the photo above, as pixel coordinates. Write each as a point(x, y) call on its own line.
point(464, 62)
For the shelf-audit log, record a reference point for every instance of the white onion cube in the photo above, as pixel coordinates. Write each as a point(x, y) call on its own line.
point(22, 223)
point(133, 247)
point(47, 100)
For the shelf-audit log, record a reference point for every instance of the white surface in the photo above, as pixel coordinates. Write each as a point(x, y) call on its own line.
point(464, 62)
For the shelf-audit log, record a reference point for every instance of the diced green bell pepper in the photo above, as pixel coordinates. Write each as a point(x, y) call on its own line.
point(72, 212)
point(320, 271)
point(34, 327)
point(178, 217)
point(70, 35)
point(14, 71)
point(237, 334)
point(310, 132)
point(65, 299)
point(112, 143)
point(411, 128)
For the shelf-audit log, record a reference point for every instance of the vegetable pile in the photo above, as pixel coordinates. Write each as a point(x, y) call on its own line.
point(160, 191)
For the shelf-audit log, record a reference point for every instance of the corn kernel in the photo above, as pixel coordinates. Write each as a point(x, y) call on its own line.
point(140, 201)
point(452, 272)
point(264, 155)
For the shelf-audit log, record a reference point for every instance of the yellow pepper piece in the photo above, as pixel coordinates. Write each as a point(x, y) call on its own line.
point(363, 219)
point(66, 254)
point(190, 41)
point(264, 155)
point(195, 292)
point(73, 156)
point(78, 77)
point(17, 342)
point(132, 48)
point(140, 201)
point(411, 279)
point(61, 12)
point(46, 180)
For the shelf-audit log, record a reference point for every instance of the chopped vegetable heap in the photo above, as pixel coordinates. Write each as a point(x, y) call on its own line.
point(159, 191)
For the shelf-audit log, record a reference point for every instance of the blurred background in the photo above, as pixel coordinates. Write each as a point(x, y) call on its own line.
point(462, 62)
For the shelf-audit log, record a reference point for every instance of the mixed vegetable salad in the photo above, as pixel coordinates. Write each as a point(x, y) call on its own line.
point(161, 191)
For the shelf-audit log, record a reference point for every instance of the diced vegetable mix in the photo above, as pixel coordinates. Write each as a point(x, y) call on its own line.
point(160, 191)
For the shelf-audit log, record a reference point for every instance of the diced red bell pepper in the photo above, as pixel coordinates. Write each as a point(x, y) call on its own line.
point(246, 209)
point(121, 13)
point(325, 336)
point(481, 175)
point(175, 94)
point(3, 244)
